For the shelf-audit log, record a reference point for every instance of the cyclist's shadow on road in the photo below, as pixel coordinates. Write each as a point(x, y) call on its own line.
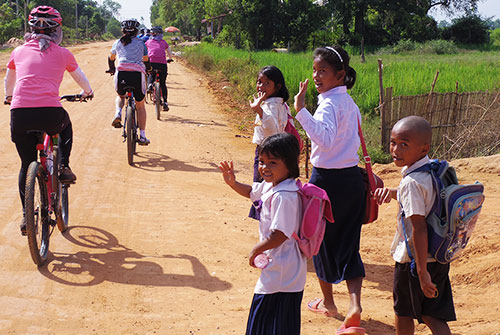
point(120, 264)
point(156, 162)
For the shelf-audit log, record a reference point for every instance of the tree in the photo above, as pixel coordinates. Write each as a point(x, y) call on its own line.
point(9, 26)
point(468, 30)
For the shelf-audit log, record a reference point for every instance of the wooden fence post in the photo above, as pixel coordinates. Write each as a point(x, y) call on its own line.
point(381, 101)
point(429, 97)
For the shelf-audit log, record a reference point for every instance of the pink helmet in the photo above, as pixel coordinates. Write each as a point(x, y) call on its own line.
point(44, 17)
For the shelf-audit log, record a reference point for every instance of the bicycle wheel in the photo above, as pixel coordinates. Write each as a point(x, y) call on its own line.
point(57, 186)
point(36, 203)
point(131, 135)
point(64, 208)
point(157, 100)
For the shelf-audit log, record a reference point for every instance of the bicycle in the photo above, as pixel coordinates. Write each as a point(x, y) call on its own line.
point(46, 198)
point(130, 126)
point(155, 96)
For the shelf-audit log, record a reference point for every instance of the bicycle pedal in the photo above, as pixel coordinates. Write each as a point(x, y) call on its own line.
point(52, 222)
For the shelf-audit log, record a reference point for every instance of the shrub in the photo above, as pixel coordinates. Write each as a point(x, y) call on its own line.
point(495, 37)
point(440, 47)
point(207, 39)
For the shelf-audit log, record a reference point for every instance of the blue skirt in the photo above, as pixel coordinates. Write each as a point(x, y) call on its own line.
point(338, 258)
point(275, 314)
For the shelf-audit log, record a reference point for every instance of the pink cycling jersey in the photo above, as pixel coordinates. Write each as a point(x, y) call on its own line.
point(156, 51)
point(39, 74)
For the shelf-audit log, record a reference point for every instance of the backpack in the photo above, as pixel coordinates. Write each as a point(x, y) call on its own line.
point(316, 209)
point(290, 128)
point(454, 213)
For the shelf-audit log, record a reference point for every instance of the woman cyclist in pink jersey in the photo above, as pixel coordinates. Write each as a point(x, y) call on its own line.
point(156, 51)
point(34, 74)
point(133, 62)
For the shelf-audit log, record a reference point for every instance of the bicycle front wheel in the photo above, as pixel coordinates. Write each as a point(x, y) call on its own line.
point(157, 100)
point(36, 213)
point(63, 216)
point(131, 134)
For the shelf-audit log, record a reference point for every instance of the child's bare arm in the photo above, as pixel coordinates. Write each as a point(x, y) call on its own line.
point(274, 240)
point(385, 195)
point(257, 101)
point(227, 169)
point(420, 242)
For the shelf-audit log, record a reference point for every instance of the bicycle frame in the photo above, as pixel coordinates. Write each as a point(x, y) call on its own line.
point(46, 150)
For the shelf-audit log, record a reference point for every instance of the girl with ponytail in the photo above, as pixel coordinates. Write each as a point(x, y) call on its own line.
point(333, 130)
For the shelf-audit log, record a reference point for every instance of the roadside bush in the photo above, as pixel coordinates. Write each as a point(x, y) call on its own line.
point(468, 29)
point(207, 39)
point(495, 37)
point(440, 47)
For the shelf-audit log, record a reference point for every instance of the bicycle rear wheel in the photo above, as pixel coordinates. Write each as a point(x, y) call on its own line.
point(131, 135)
point(36, 204)
point(157, 100)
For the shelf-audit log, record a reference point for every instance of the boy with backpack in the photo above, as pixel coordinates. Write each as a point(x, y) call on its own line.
point(425, 295)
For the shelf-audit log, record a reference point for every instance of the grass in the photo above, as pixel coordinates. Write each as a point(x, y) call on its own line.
point(408, 74)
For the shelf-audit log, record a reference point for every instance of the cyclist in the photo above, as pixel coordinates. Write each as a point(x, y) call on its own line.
point(146, 35)
point(133, 62)
point(156, 51)
point(34, 74)
point(141, 33)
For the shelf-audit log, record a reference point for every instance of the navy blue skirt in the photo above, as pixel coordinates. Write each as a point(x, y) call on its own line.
point(275, 314)
point(338, 258)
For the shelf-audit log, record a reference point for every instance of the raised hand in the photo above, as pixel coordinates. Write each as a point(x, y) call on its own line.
point(227, 169)
point(257, 100)
point(300, 98)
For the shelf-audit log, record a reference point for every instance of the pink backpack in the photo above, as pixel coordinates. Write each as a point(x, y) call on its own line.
point(316, 209)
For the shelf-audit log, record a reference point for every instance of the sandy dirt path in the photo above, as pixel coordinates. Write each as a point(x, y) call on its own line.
point(161, 247)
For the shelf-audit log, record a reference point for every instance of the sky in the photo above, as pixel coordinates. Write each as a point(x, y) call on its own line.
point(486, 8)
point(137, 9)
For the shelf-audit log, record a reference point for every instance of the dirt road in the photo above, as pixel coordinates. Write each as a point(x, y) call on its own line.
point(161, 247)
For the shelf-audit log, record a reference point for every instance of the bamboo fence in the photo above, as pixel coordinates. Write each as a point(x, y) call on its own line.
point(464, 124)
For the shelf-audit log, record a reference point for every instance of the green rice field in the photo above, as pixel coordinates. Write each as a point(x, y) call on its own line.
point(408, 74)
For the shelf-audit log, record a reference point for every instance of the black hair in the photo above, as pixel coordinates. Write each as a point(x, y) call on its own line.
point(275, 75)
point(127, 36)
point(338, 58)
point(285, 147)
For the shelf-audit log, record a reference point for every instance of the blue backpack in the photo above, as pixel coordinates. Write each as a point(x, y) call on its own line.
point(454, 213)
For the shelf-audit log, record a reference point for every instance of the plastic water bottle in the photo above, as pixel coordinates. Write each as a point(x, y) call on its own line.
point(261, 261)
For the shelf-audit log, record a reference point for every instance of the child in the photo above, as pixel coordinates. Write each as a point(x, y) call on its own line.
point(333, 131)
point(272, 113)
point(278, 294)
point(429, 300)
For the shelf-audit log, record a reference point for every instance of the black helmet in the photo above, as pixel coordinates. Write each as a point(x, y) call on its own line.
point(157, 30)
point(130, 25)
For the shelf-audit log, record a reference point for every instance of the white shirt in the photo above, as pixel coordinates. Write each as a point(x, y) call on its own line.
point(416, 194)
point(273, 121)
point(280, 211)
point(333, 130)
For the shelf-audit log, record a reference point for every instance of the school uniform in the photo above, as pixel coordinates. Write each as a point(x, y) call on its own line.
point(416, 196)
point(278, 293)
point(273, 121)
point(333, 130)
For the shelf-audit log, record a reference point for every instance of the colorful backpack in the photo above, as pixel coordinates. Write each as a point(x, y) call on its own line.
point(316, 210)
point(454, 213)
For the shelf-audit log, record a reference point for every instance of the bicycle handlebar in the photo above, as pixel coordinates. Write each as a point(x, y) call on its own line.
point(76, 97)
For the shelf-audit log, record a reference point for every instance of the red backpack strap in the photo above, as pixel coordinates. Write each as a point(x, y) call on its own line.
point(367, 159)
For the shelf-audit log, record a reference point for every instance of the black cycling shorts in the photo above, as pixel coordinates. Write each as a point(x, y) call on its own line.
point(131, 78)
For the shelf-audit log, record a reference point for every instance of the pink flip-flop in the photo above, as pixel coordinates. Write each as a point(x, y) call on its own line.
point(313, 306)
point(350, 330)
